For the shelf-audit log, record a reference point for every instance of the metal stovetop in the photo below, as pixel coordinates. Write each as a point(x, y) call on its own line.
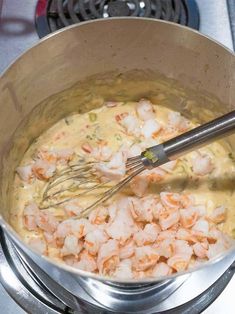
point(17, 33)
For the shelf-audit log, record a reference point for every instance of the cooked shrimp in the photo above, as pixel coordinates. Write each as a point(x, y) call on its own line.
point(170, 200)
point(61, 156)
point(178, 262)
point(155, 175)
point(86, 262)
point(200, 209)
point(150, 128)
point(141, 210)
point(124, 206)
point(187, 201)
point(148, 235)
point(168, 219)
point(121, 210)
point(94, 239)
point(112, 211)
point(201, 227)
point(102, 153)
point(108, 257)
point(79, 228)
point(214, 235)
point(29, 215)
point(72, 246)
point(46, 221)
point(134, 150)
point(175, 200)
point(123, 227)
point(157, 209)
point(131, 125)
point(72, 207)
point(39, 245)
point(115, 168)
point(63, 229)
point(183, 248)
point(127, 250)
point(176, 121)
point(47, 155)
point(25, 173)
point(188, 217)
point(145, 110)
point(145, 257)
point(200, 249)
point(221, 238)
point(99, 215)
point(186, 234)
point(166, 247)
point(141, 274)
point(166, 234)
point(218, 215)
point(202, 165)
point(43, 170)
point(161, 269)
point(139, 185)
point(120, 231)
point(50, 239)
point(124, 270)
point(118, 160)
point(86, 147)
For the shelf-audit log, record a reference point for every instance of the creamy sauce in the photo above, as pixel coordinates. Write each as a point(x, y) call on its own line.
point(214, 189)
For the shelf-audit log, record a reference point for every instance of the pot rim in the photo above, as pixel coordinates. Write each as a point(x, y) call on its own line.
point(110, 19)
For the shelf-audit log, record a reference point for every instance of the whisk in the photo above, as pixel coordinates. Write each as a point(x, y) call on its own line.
point(84, 177)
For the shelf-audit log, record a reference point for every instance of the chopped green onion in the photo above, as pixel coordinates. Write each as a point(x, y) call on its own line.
point(89, 137)
point(92, 116)
point(231, 156)
point(118, 137)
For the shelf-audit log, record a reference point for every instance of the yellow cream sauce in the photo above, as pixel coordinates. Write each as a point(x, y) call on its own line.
point(214, 189)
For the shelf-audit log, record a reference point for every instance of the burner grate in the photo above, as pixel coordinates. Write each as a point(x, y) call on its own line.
point(52, 15)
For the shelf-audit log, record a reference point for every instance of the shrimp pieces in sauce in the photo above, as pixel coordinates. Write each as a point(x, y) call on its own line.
point(145, 110)
point(145, 257)
point(108, 257)
point(72, 246)
point(94, 240)
point(155, 226)
point(202, 165)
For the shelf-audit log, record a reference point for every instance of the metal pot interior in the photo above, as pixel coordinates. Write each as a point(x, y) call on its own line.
point(75, 70)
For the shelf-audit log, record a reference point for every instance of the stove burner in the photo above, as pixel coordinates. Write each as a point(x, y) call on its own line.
point(52, 15)
point(118, 8)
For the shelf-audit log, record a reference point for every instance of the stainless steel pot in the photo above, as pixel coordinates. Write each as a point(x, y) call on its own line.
point(73, 69)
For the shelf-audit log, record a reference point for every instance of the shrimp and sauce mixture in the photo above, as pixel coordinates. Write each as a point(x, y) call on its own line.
point(167, 220)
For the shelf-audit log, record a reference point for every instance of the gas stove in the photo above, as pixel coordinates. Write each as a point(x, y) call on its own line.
point(27, 288)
